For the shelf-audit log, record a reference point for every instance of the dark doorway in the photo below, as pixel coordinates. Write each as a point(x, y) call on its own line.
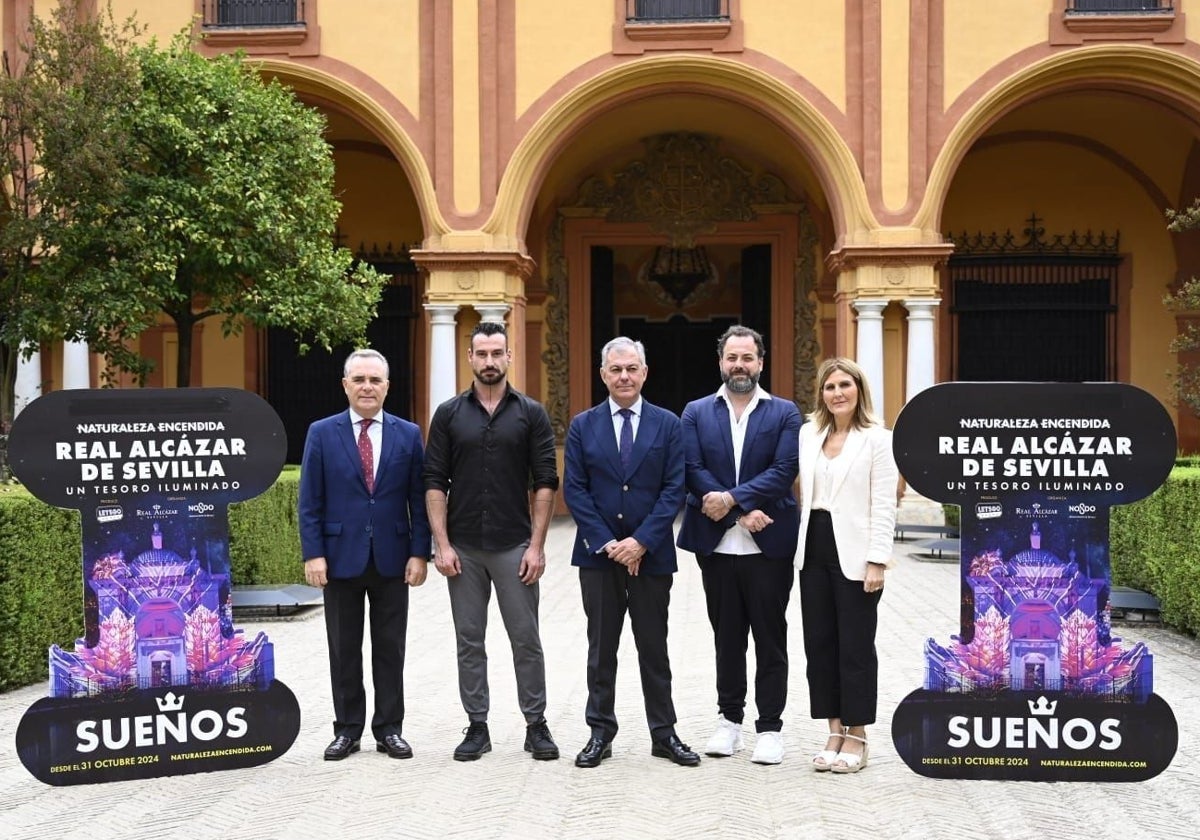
point(304, 388)
point(681, 351)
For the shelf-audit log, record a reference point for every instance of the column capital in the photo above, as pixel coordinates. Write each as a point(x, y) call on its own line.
point(442, 313)
point(493, 312)
point(921, 307)
point(869, 308)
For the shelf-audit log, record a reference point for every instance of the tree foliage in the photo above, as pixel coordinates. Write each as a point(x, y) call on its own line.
point(167, 183)
point(1186, 299)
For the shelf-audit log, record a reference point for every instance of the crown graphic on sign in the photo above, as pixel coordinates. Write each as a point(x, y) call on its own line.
point(171, 702)
point(1042, 708)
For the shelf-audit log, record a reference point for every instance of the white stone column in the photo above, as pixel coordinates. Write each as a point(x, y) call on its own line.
point(75, 365)
point(443, 360)
point(29, 381)
point(919, 373)
point(869, 352)
point(493, 312)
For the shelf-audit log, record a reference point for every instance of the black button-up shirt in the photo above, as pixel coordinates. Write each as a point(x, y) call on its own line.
point(487, 464)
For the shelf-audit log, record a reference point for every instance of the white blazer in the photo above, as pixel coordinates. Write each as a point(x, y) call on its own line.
point(862, 500)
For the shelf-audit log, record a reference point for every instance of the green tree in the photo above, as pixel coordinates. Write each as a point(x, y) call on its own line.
point(1186, 299)
point(64, 98)
point(225, 208)
point(173, 185)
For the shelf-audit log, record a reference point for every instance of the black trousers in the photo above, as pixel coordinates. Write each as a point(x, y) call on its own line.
point(344, 618)
point(609, 593)
point(749, 593)
point(839, 621)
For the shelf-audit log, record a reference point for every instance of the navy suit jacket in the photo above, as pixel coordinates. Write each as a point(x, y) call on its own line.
point(770, 463)
point(339, 520)
point(608, 502)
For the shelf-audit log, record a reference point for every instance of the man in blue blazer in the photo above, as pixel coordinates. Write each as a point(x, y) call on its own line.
point(624, 486)
point(364, 532)
point(741, 448)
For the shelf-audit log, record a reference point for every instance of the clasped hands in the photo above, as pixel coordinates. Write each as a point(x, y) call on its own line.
point(628, 552)
point(717, 504)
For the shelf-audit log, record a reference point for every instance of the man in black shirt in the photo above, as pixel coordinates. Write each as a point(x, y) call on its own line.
point(487, 447)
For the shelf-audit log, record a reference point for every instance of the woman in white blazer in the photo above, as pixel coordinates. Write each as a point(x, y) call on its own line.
point(848, 483)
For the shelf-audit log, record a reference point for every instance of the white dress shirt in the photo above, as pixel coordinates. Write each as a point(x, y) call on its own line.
point(738, 540)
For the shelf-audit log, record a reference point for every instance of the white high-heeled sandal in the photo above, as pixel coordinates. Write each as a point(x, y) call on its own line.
point(850, 762)
point(822, 762)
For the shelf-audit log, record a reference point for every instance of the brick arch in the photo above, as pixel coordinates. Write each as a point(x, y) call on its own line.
point(813, 131)
point(1169, 78)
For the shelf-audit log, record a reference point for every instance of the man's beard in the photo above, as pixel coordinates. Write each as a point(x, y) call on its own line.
point(489, 376)
point(740, 383)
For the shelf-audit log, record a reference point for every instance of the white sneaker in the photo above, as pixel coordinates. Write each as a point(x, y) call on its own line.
point(769, 749)
point(726, 740)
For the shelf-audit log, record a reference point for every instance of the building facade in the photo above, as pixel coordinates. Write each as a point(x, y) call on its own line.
point(941, 189)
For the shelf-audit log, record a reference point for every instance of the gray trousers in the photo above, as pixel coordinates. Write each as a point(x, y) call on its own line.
point(470, 592)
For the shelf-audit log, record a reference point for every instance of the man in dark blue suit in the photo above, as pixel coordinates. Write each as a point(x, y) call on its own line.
point(364, 531)
point(741, 447)
point(624, 486)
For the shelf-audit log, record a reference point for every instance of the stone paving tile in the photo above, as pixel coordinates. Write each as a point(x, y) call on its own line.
point(507, 795)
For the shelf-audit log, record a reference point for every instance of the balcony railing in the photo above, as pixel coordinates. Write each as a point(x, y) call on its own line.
point(1119, 7)
point(675, 11)
point(249, 13)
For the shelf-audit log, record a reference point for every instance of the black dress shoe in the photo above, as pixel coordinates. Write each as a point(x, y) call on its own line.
point(597, 750)
point(340, 747)
point(475, 744)
point(394, 746)
point(671, 747)
point(539, 742)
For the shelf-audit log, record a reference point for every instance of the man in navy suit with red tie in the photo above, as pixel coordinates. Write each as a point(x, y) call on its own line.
point(624, 487)
point(364, 532)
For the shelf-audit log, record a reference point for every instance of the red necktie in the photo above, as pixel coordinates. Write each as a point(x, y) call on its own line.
point(367, 455)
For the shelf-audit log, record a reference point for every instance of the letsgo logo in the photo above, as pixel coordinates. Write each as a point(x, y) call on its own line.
point(989, 510)
point(1041, 729)
point(171, 724)
point(109, 513)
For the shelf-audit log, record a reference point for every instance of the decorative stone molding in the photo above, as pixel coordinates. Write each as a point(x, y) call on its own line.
point(1069, 27)
point(723, 35)
point(510, 262)
point(296, 40)
point(556, 356)
point(807, 348)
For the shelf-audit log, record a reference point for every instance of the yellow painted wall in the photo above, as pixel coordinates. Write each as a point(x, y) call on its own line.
point(380, 38)
point(996, 189)
point(224, 358)
point(982, 34)
point(162, 18)
point(553, 38)
point(378, 205)
point(819, 55)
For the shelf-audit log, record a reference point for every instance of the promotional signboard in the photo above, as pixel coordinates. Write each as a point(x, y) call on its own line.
point(162, 683)
point(1035, 685)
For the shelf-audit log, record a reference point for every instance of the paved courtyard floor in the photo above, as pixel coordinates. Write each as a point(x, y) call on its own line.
point(632, 795)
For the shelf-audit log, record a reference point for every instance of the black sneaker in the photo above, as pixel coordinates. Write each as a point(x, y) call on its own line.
point(475, 744)
point(539, 742)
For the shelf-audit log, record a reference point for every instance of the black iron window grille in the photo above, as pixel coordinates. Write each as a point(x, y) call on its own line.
point(675, 11)
point(1119, 7)
point(1034, 309)
point(253, 12)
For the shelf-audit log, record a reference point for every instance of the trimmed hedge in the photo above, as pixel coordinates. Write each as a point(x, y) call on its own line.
point(1155, 546)
point(41, 585)
point(41, 569)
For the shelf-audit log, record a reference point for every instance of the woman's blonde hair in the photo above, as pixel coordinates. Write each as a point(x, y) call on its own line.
point(864, 411)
